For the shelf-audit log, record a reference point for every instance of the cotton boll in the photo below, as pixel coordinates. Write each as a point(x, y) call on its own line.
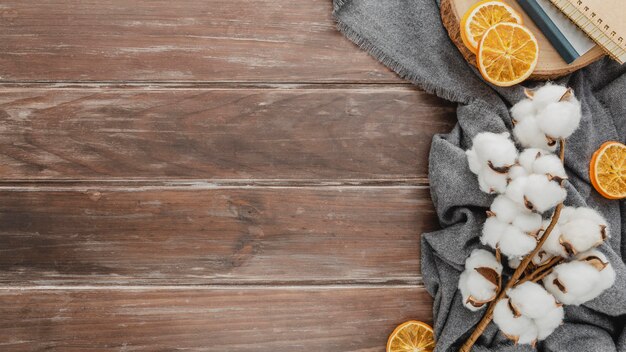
point(553, 244)
point(546, 95)
point(474, 162)
point(505, 209)
point(521, 329)
point(542, 193)
point(491, 181)
point(515, 191)
point(514, 263)
point(531, 300)
point(567, 213)
point(560, 120)
point(528, 133)
point(492, 232)
point(541, 258)
point(528, 157)
point(573, 283)
point(465, 294)
point(549, 322)
point(551, 165)
point(480, 280)
point(522, 110)
point(592, 215)
point(480, 288)
point(495, 149)
point(579, 235)
point(517, 171)
point(516, 243)
point(528, 222)
point(480, 258)
point(599, 261)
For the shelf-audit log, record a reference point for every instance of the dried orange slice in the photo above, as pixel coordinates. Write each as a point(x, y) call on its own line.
point(481, 17)
point(607, 170)
point(411, 336)
point(507, 54)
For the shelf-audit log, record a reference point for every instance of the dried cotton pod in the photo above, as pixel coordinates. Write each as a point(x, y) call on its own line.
point(494, 150)
point(536, 192)
point(519, 328)
point(480, 280)
point(581, 280)
point(549, 322)
point(548, 94)
point(531, 300)
point(516, 243)
point(528, 133)
point(560, 119)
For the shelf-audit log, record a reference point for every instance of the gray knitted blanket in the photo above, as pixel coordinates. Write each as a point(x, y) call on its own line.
point(408, 37)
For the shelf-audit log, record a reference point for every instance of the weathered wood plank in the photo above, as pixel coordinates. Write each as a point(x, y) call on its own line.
point(237, 319)
point(218, 133)
point(184, 40)
point(205, 235)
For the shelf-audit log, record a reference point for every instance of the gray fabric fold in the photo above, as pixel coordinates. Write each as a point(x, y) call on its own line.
point(408, 37)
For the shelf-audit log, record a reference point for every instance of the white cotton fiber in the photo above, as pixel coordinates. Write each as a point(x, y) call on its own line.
point(591, 214)
point(515, 191)
point(476, 288)
point(581, 234)
point(520, 329)
point(528, 133)
point(546, 95)
point(490, 181)
point(542, 257)
point(542, 193)
point(465, 293)
point(497, 149)
point(514, 263)
point(481, 258)
point(528, 156)
point(549, 322)
point(560, 120)
point(571, 282)
point(522, 110)
point(516, 243)
point(505, 209)
point(517, 171)
point(550, 165)
point(493, 229)
point(473, 161)
point(531, 300)
point(553, 245)
point(479, 287)
point(528, 222)
point(607, 274)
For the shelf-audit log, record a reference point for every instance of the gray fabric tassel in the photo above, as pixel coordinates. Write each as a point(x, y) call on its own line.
point(408, 37)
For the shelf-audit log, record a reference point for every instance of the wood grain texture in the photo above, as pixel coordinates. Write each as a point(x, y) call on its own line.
point(235, 320)
point(200, 235)
point(185, 40)
point(137, 133)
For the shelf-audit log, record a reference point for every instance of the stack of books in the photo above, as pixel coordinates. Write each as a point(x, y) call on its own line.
point(573, 27)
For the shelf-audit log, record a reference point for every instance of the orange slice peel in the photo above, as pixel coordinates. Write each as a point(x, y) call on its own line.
point(483, 15)
point(507, 54)
point(411, 336)
point(607, 170)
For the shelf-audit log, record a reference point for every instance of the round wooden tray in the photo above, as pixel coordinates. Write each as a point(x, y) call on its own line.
point(550, 65)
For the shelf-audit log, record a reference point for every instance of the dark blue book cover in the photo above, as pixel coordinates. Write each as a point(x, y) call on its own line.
point(549, 29)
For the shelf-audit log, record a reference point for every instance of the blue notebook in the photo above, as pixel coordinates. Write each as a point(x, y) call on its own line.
point(558, 40)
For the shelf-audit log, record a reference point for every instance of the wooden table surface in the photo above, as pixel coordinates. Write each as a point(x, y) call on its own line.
point(219, 175)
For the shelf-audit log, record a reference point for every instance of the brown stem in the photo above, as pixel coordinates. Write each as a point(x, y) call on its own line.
point(541, 271)
point(484, 322)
